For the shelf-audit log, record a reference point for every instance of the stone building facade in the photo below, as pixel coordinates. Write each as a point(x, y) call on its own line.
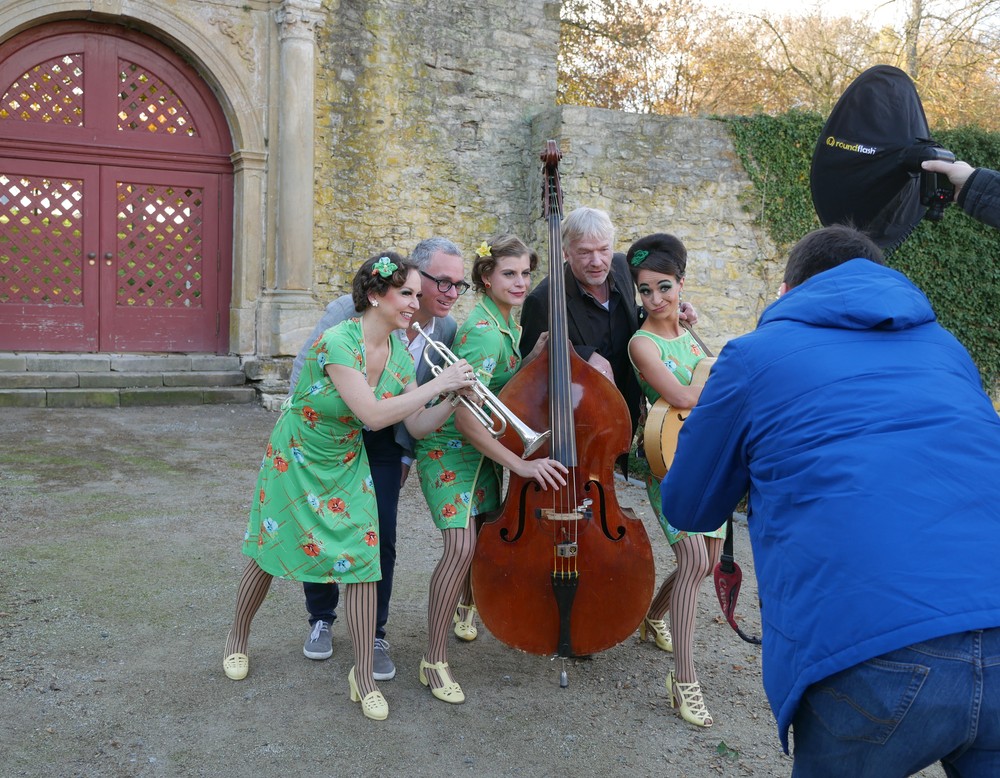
point(359, 125)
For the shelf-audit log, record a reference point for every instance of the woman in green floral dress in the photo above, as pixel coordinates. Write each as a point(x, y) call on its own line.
point(461, 464)
point(314, 516)
point(664, 355)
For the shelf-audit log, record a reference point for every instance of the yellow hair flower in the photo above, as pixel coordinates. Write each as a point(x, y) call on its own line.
point(484, 249)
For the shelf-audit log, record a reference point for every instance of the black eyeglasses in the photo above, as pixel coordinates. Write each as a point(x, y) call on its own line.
point(444, 285)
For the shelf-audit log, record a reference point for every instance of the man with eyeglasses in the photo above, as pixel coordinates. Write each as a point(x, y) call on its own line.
point(390, 451)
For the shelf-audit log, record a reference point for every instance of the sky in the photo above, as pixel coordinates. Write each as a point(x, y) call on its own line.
point(885, 11)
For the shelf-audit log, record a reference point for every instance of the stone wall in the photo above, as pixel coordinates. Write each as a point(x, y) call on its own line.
point(678, 175)
point(430, 121)
point(424, 123)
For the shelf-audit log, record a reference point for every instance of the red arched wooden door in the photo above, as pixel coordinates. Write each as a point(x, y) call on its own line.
point(115, 196)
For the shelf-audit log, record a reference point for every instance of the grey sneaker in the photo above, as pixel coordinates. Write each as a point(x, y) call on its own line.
point(382, 667)
point(319, 644)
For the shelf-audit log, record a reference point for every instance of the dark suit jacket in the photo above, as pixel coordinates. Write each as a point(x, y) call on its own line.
point(535, 321)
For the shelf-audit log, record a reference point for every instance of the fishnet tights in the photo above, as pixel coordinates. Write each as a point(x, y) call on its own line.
point(697, 557)
point(449, 579)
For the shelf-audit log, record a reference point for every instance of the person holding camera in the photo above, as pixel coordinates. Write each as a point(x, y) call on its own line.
point(977, 190)
point(871, 454)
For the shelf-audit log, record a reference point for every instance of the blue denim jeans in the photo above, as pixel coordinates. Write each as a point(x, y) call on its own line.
point(385, 459)
point(900, 712)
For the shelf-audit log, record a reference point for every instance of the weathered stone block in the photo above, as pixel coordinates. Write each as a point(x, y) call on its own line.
point(12, 362)
point(81, 398)
point(22, 398)
point(148, 363)
point(234, 394)
point(216, 378)
point(120, 380)
point(72, 363)
point(213, 362)
point(21, 380)
point(163, 396)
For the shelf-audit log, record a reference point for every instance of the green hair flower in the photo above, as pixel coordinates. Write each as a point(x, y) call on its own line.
point(484, 249)
point(384, 267)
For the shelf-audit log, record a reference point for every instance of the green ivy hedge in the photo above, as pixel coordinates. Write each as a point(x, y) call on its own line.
point(955, 261)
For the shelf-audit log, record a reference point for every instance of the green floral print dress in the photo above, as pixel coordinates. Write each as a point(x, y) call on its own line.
point(680, 356)
point(457, 481)
point(314, 516)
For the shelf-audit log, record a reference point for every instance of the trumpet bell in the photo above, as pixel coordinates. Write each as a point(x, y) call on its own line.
point(490, 403)
point(531, 445)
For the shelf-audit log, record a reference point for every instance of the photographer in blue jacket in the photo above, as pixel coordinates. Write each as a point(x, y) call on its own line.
point(871, 455)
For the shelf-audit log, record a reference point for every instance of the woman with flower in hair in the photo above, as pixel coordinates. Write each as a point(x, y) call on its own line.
point(461, 464)
point(314, 516)
point(664, 355)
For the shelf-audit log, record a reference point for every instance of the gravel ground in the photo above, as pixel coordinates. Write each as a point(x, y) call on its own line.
point(119, 563)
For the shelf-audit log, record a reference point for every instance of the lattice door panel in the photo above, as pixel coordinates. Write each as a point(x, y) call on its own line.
point(160, 281)
point(159, 259)
point(41, 240)
point(115, 195)
point(49, 92)
point(146, 103)
point(48, 256)
point(84, 87)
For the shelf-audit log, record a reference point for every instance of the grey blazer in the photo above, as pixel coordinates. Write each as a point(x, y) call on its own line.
point(343, 309)
point(444, 332)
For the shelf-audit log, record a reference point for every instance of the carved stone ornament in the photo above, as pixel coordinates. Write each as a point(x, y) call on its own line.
point(241, 37)
point(299, 19)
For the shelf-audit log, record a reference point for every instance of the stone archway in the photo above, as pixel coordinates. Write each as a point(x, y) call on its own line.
point(231, 48)
point(115, 196)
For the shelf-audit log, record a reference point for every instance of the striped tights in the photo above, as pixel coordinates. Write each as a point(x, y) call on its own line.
point(697, 557)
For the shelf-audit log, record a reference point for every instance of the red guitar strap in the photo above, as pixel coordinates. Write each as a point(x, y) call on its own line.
point(728, 580)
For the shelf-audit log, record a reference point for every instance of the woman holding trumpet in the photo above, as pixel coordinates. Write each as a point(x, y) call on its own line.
point(314, 515)
point(461, 463)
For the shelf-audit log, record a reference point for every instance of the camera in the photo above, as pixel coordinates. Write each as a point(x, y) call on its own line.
point(936, 190)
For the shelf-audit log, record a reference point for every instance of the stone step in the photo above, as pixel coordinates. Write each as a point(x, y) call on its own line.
point(58, 380)
point(68, 380)
point(12, 362)
point(121, 398)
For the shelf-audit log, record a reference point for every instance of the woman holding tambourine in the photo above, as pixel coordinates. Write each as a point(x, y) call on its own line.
point(665, 355)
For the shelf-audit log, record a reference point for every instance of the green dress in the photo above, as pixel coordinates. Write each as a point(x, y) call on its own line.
point(680, 356)
point(457, 481)
point(314, 516)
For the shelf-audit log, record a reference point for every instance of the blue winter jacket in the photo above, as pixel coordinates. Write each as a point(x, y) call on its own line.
point(872, 458)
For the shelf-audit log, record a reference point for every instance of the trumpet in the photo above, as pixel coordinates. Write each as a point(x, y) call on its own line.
point(502, 415)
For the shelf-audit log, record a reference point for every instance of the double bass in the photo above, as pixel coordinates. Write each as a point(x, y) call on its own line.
point(569, 571)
